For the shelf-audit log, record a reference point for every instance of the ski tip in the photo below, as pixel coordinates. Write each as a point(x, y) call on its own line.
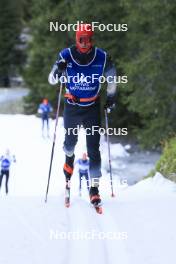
point(67, 205)
point(99, 210)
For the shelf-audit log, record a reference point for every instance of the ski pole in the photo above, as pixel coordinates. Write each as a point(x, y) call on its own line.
point(109, 152)
point(54, 140)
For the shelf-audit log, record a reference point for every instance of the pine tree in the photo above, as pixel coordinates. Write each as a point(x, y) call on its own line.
point(10, 28)
point(150, 65)
point(145, 53)
point(43, 51)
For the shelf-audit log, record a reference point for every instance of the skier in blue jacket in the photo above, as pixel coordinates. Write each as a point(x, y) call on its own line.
point(6, 161)
point(44, 110)
point(82, 99)
point(83, 168)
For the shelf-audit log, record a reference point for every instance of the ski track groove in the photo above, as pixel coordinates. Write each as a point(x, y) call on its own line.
point(73, 221)
point(68, 245)
point(66, 256)
point(114, 247)
point(97, 217)
point(88, 221)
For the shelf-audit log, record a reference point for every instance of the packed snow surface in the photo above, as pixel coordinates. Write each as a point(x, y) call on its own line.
point(136, 227)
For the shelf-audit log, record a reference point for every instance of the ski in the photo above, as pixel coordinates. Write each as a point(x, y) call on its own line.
point(67, 195)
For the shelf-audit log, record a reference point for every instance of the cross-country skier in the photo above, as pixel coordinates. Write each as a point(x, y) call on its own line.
point(83, 168)
point(44, 110)
point(6, 161)
point(82, 99)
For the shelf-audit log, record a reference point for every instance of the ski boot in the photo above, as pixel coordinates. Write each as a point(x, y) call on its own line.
point(95, 199)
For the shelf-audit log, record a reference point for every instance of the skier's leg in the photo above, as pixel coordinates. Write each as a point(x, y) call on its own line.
point(68, 167)
point(71, 122)
point(87, 180)
point(7, 181)
point(43, 124)
point(80, 183)
point(47, 122)
point(93, 122)
point(69, 155)
point(93, 119)
point(1, 176)
point(94, 155)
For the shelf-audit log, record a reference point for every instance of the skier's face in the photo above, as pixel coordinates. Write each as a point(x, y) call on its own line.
point(84, 43)
point(45, 101)
point(84, 36)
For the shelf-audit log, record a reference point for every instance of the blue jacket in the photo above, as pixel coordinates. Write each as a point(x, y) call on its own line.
point(6, 162)
point(83, 166)
point(45, 109)
point(83, 80)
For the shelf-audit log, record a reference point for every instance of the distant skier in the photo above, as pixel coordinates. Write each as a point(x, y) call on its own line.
point(44, 110)
point(82, 100)
point(83, 168)
point(6, 161)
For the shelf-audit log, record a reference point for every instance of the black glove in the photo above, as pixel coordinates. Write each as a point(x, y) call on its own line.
point(62, 65)
point(110, 104)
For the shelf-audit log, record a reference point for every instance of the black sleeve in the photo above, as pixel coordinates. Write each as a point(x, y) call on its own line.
point(109, 64)
point(111, 74)
point(56, 69)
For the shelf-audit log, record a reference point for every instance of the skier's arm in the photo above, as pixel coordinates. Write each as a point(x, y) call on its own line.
point(50, 108)
point(76, 162)
point(57, 70)
point(40, 110)
point(14, 158)
point(110, 73)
